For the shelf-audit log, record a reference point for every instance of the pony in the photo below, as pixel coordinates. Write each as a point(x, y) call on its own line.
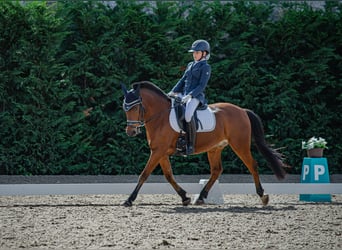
point(147, 105)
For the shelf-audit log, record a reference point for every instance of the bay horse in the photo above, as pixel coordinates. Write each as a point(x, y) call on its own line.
point(147, 105)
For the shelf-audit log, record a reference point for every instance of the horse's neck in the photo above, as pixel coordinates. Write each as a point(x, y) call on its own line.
point(154, 105)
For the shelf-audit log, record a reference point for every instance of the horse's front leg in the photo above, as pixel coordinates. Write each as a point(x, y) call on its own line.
point(149, 167)
point(167, 171)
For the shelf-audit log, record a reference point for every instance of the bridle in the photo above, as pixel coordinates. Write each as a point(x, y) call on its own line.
point(140, 122)
point(135, 123)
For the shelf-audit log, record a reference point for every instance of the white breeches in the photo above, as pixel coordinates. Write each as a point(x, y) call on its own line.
point(190, 108)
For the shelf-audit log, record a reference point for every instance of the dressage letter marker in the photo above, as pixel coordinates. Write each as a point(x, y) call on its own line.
point(215, 195)
point(315, 170)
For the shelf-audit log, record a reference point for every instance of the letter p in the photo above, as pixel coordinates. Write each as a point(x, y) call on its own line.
point(319, 170)
point(305, 171)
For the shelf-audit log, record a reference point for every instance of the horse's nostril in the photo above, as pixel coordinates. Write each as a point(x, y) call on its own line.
point(131, 132)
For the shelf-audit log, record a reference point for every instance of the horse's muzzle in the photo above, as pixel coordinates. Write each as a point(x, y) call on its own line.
point(132, 131)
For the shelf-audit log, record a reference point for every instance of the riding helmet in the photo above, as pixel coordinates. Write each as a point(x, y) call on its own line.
point(200, 45)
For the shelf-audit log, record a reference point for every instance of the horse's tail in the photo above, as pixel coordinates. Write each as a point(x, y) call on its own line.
point(272, 156)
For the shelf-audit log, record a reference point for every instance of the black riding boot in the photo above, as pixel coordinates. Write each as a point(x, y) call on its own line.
point(191, 136)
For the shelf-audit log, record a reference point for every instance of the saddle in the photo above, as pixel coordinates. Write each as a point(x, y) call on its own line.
point(204, 118)
point(180, 114)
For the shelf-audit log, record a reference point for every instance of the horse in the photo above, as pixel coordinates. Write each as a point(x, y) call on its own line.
point(147, 105)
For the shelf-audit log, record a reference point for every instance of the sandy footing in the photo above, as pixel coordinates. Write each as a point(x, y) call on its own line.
point(160, 222)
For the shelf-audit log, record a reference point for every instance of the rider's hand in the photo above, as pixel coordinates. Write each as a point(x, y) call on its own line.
point(171, 93)
point(186, 98)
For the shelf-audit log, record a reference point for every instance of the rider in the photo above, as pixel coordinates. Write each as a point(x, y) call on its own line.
point(191, 87)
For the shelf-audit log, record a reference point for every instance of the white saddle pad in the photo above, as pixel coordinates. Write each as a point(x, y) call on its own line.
point(207, 120)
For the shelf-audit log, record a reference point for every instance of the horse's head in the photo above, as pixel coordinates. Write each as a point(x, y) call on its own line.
point(132, 105)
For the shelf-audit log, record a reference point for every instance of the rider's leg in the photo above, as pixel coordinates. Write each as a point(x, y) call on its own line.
point(191, 106)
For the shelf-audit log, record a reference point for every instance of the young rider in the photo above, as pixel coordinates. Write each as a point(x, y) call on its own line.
point(192, 85)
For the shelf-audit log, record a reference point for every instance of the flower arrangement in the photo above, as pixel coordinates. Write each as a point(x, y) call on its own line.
point(313, 142)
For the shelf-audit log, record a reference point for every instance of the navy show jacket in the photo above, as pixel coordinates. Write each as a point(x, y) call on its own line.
point(194, 80)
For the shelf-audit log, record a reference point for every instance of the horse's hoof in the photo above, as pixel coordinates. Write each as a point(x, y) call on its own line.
point(127, 203)
point(199, 202)
point(264, 199)
point(186, 202)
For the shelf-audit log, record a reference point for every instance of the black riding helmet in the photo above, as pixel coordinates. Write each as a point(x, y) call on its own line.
point(201, 45)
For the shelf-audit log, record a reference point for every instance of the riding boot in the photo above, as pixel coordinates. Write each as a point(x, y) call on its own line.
point(191, 136)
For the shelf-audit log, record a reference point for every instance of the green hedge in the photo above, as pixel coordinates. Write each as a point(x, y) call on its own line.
point(61, 66)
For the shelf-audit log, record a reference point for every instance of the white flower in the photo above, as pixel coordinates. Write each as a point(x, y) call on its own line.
point(313, 142)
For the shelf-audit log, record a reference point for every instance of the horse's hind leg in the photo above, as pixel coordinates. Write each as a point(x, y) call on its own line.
point(167, 171)
point(252, 166)
point(247, 158)
point(214, 157)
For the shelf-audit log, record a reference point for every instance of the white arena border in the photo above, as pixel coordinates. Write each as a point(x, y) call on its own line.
point(165, 188)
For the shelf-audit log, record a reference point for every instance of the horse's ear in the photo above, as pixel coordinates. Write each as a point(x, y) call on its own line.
point(124, 90)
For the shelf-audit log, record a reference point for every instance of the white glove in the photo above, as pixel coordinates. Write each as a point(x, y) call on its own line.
point(186, 98)
point(171, 93)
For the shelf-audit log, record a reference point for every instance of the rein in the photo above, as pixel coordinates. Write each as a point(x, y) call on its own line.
point(158, 114)
point(141, 122)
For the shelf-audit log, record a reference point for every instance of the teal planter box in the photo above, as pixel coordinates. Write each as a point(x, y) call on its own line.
point(315, 170)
